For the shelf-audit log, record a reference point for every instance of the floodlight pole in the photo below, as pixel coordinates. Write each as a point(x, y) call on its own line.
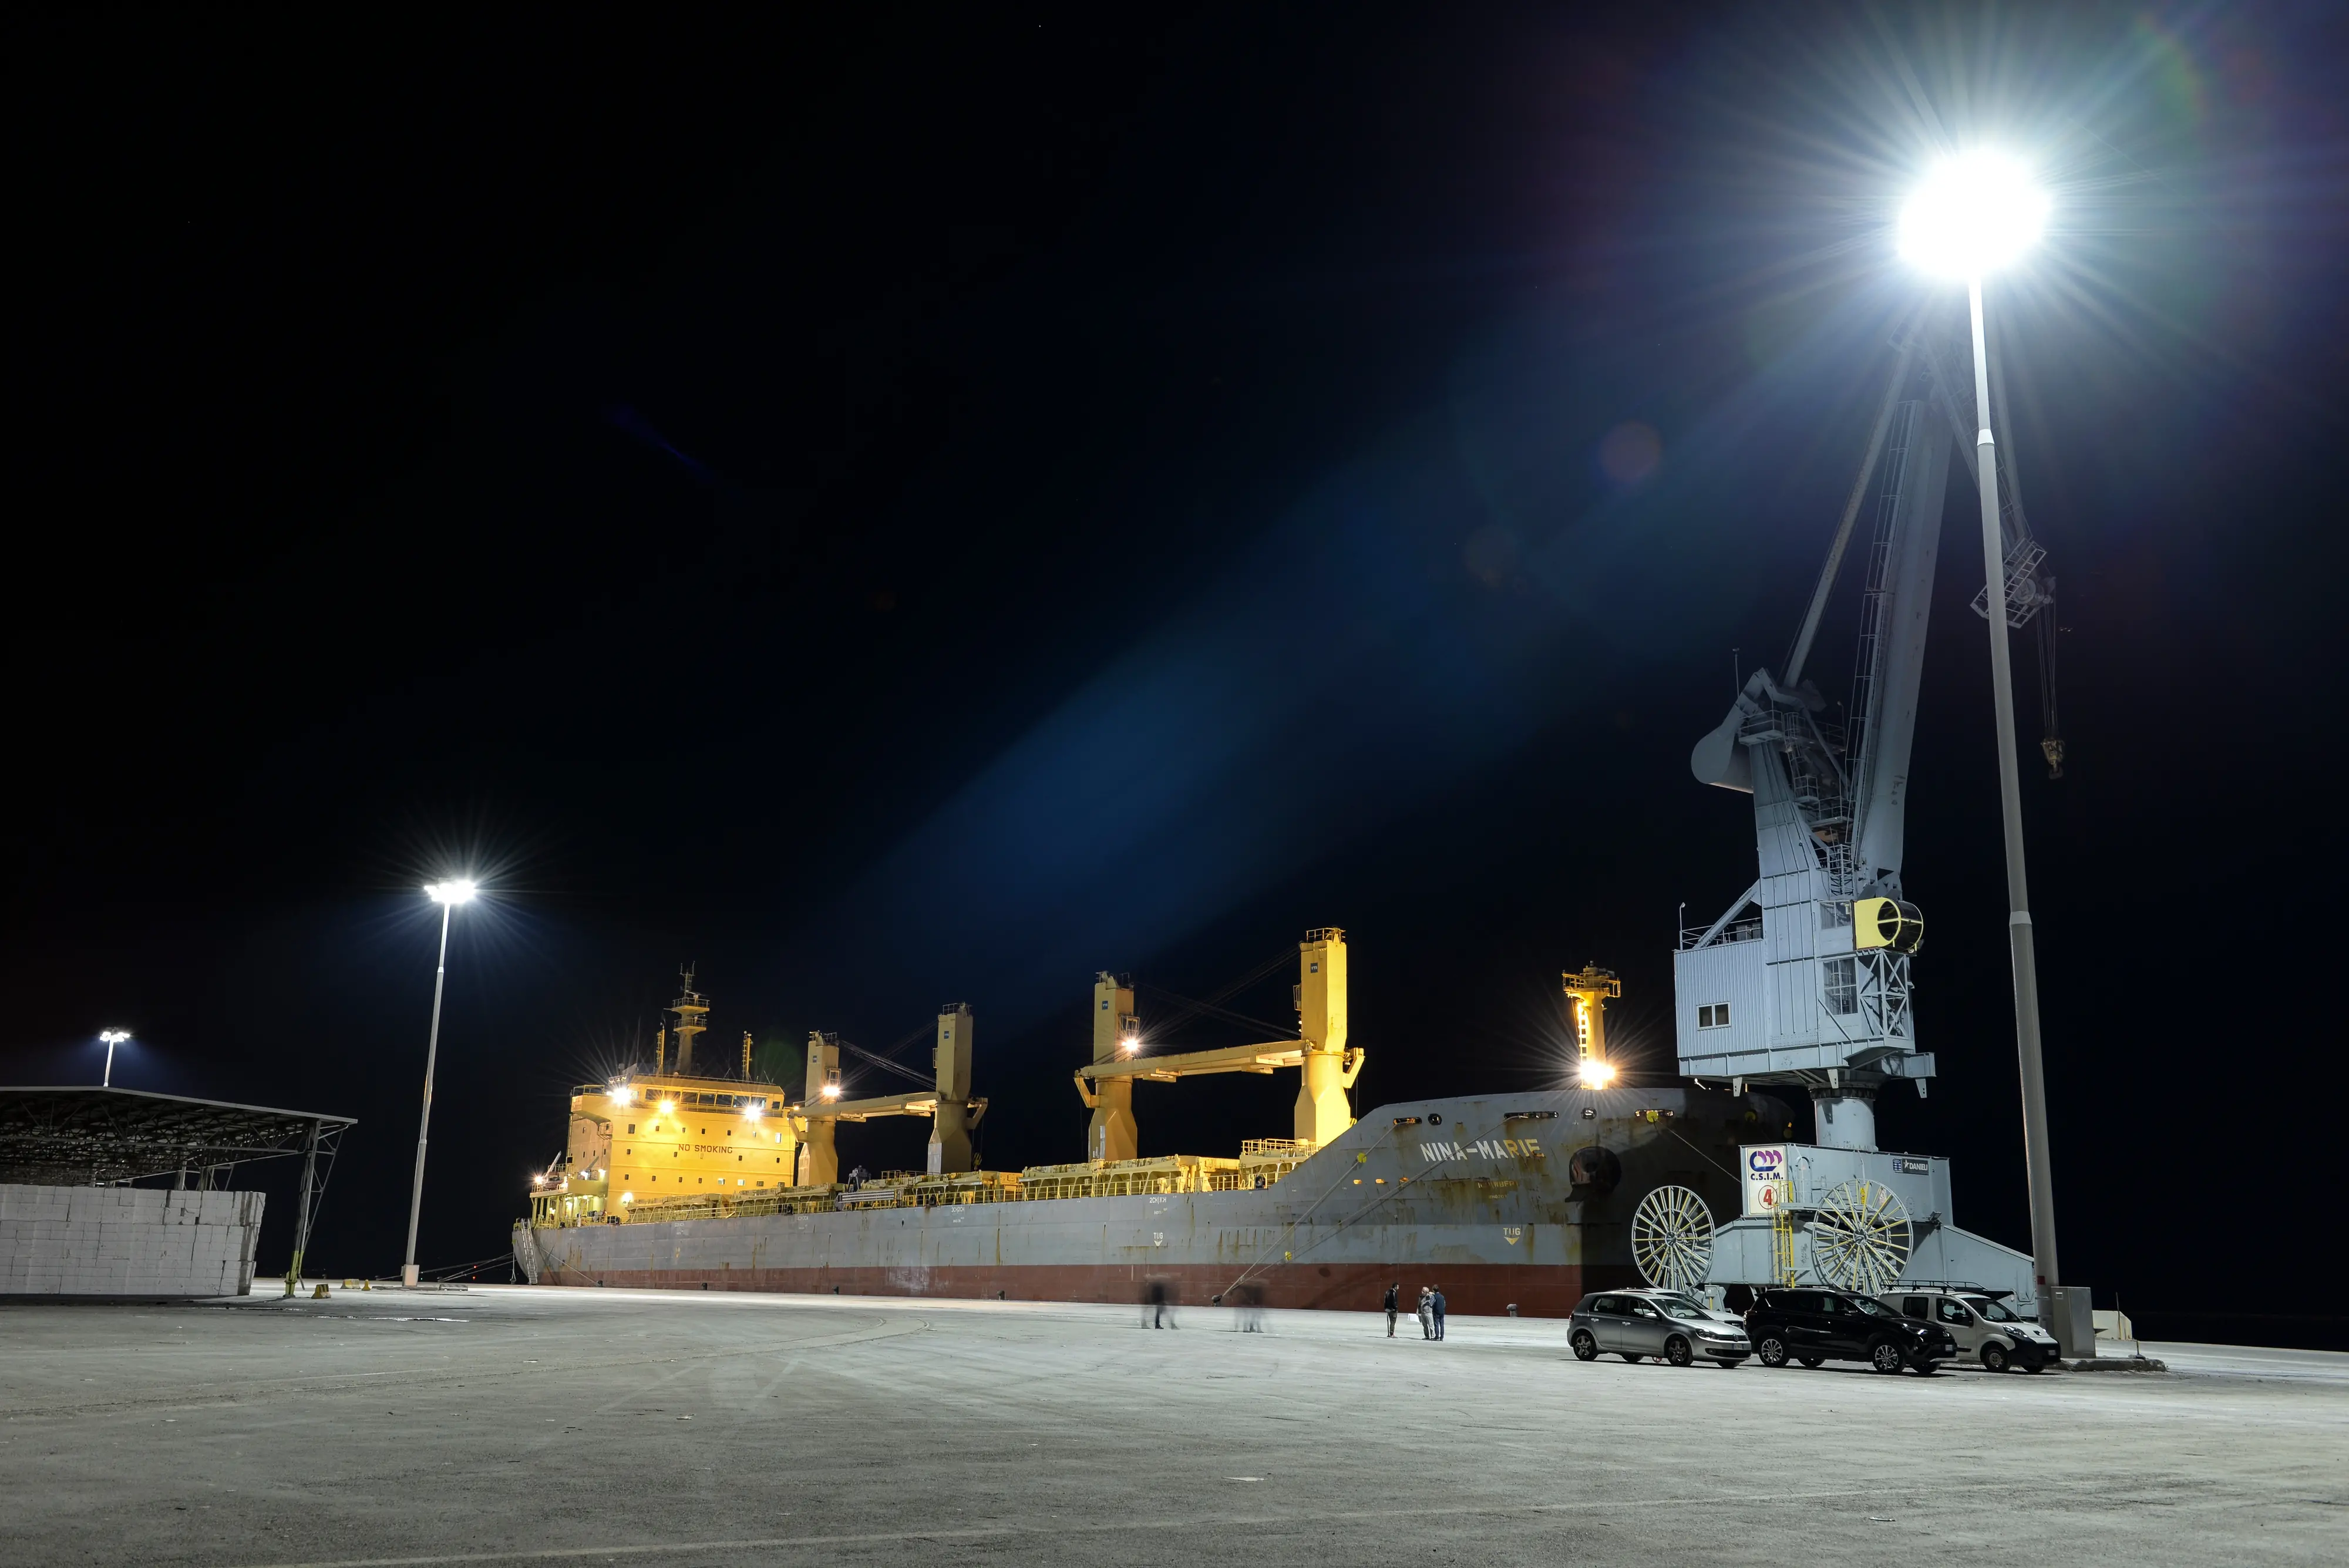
point(2037, 1164)
point(424, 1124)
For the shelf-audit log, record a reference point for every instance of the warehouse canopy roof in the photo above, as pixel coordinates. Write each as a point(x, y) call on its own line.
point(76, 1137)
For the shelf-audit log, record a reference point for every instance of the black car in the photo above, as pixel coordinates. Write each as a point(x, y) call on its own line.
point(1813, 1326)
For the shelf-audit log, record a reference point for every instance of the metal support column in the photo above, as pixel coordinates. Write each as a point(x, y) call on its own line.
point(2037, 1164)
point(302, 1209)
point(424, 1121)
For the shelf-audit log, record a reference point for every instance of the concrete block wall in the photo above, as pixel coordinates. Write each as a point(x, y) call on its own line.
point(127, 1241)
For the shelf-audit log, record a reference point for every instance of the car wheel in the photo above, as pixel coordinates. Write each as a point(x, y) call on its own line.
point(1584, 1347)
point(1771, 1349)
point(1627, 1356)
point(1993, 1357)
point(1678, 1352)
point(1886, 1356)
point(1813, 1361)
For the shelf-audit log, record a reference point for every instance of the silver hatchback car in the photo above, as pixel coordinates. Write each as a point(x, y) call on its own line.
point(1666, 1325)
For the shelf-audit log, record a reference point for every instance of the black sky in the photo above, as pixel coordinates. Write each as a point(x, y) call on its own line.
point(924, 507)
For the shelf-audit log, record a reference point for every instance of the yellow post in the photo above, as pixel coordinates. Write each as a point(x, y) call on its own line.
point(1587, 994)
point(1330, 1068)
point(819, 1162)
point(791, 1129)
point(950, 1122)
point(1112, 1135)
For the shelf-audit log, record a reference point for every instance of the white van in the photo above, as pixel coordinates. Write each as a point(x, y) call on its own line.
point(1987, 1329)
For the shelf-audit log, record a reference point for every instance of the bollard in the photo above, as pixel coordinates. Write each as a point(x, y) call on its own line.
point(320, 1293)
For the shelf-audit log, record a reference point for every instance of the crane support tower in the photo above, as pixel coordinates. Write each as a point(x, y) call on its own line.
point(1587, 995)
point(1804, 979)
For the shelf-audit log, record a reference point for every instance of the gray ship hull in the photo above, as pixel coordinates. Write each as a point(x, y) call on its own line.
point(1521, 1201)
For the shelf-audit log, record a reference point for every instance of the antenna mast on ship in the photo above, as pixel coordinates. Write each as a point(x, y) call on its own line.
point(691, 1010)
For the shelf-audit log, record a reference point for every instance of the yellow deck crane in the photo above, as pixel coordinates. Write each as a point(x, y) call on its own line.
point(1328, 1066)
point(948, 1102)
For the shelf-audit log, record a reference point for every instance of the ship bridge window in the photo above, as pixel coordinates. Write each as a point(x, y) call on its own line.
point(1715, 1016)
point(632, 1126)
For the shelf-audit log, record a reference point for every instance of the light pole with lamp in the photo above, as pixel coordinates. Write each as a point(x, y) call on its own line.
point(447, 895)
point(112, 1037)
point(1974, 214)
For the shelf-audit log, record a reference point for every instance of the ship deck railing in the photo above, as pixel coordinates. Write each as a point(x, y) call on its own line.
point(1261, 1162)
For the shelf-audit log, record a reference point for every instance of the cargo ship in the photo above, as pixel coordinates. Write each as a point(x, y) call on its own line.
point(1508, 1202)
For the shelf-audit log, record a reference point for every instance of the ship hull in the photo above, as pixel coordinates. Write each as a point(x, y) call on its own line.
point(1481, 1198)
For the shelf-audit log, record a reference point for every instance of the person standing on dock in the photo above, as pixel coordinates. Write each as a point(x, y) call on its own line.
point(1438, 1304)
point(1427, 1311)
point(1393, 1291)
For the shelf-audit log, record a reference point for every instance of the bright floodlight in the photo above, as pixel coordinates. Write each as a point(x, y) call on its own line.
point(1596, 1074)
point(114, 1037)
point(1974, 214)
point(459, 891)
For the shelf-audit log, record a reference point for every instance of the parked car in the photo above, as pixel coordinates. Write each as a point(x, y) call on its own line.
point(1814, 1327)
point(1667, 1325)
point(1986, 1329)
point(1691, 1298)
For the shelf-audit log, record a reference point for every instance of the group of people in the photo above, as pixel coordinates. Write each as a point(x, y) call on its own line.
point(1430, 1309)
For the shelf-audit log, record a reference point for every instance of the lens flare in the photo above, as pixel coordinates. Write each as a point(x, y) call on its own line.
point(1974, 214)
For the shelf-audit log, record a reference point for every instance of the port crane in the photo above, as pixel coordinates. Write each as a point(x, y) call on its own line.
point(1803, 981)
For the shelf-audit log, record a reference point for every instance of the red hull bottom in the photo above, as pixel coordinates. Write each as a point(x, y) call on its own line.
point(1474, 1289)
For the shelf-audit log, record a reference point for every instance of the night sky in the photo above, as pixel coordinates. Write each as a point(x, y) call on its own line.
point(906, 508)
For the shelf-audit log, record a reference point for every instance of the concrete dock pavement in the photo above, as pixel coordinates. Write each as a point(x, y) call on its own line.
point(513, 1424)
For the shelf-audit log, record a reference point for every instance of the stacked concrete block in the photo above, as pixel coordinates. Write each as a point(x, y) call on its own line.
point(127, 1241)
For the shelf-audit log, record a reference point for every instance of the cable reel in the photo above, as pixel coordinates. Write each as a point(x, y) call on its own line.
point(1861, 1237)
point(1671, 1239)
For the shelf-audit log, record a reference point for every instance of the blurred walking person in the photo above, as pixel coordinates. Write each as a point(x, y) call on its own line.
point(1427, 1311)
point(1393, 1291)
point(1438, 1304)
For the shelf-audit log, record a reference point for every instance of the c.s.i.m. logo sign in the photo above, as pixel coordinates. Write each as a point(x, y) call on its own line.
point(1766, 1186)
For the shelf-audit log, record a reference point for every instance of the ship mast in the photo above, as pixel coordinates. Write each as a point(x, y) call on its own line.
point(691, 1009)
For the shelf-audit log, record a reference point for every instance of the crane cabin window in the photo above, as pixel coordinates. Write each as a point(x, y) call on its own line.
point(1713, 1016)
point(1843, 985)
